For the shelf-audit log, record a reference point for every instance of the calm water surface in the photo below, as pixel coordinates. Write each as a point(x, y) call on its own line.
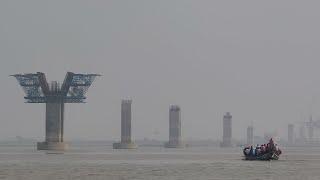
point(153, 163)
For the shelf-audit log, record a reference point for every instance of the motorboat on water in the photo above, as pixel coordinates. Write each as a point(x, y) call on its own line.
point(265, 152)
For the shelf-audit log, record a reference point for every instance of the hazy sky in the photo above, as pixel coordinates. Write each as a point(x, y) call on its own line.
point(260, 60)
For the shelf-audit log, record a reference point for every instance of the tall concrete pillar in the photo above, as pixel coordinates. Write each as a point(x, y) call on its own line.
point(54, 127)
point(126, 121)
point(126, 142)
point(227, 130)
point(174, 128)
point(54, 122)
point(290, 134)
point(250, 135)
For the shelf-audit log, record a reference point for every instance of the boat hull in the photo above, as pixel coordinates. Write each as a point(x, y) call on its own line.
point(264, 157)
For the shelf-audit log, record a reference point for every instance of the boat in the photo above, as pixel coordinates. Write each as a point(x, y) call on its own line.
point(264, 157)
point(262, 153)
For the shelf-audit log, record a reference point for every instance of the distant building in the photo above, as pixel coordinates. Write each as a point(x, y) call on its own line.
point(250, 135)
point(290, 134)
point(174, 128)
point(227, 130)
point(126, 142)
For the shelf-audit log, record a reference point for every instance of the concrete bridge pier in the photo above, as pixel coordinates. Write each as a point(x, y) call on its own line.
point(54, 128)
point(126, 142)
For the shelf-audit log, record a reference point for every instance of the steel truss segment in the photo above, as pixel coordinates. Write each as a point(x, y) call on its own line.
point(73, 89)
point(79, 84)
point(30, 84)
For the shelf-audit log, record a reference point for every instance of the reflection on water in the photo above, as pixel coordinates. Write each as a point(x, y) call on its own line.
point(102, 162)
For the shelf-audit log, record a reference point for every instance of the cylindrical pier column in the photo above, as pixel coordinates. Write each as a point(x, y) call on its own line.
point(126, 141)
point(227, 130)
point(174, 128)
point(54, 122)
point(126, 121)
point(54, 127)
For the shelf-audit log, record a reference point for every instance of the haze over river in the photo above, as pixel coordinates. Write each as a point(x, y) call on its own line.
point(153, 163)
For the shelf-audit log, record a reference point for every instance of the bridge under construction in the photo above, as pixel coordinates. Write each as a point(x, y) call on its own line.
point(38, 90)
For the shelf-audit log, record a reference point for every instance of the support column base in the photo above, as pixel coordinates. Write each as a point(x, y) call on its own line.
point(124, 146)
point(56, 146)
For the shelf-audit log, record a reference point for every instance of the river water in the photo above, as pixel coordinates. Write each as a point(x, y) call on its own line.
point(154, 163)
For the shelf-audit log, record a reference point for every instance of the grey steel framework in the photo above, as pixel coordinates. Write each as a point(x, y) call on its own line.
point(38, 90)
point(73, 89)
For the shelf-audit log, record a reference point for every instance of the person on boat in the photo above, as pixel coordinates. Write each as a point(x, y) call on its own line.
point(277, 149)
point(251, 151)
point(271, 145)
point(263, 148)
point(271, 142)
point(246, 151)
point(258, 150)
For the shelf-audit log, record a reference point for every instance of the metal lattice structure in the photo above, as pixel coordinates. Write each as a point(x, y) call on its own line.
point(73, 89)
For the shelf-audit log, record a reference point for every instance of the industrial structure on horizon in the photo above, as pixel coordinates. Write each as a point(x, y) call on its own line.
point(227, 131)
point(126, 141)
point(175, 140)
point(38, 90)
